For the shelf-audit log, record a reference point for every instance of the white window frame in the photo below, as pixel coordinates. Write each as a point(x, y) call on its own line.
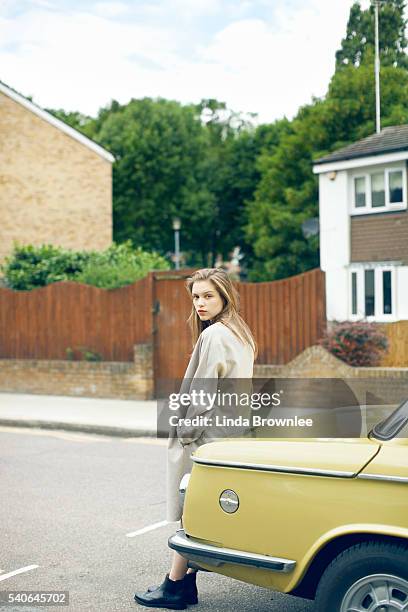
point(378, 268)
point(366, 174)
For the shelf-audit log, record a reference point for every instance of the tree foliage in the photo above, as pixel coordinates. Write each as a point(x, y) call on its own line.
point(159, 174)
point(287, 193)
point(196, 162)
point(358, 45)
point(74, 119)
point(234, 184)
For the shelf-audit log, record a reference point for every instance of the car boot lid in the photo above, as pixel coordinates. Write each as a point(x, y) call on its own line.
point(332, 457)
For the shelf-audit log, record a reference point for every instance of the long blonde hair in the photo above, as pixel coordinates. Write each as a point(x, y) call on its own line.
point(229, 315)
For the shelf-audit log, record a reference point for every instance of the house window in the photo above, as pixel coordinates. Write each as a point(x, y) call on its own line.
point(395, 187)
point(354, 293)
point(378, 191)
point(387, 292)
point(369, 293)
point(372, 292)
point(360, 191)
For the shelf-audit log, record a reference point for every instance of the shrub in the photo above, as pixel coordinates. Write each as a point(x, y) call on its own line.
point(77, 353)
point(356, 343)
point(70, 353)
point(119, 265)
point(29, 266)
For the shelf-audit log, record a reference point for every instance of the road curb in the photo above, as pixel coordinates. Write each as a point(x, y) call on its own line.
point(105, 430)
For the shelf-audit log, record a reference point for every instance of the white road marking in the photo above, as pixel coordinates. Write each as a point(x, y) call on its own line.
point(78, 437)
point(74, 436)
point(81, 437)
point(146, 440)
point(18, 571)
point(132, 534)
point(26, 430)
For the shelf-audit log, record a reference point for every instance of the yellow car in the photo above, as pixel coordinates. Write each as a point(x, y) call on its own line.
point(321, 519)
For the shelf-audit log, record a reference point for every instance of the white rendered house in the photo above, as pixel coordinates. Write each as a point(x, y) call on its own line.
point(364, 228)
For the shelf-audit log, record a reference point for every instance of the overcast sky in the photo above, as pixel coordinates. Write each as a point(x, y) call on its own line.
point(262, 56)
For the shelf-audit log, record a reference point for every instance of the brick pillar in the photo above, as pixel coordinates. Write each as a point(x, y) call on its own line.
point(144, 369)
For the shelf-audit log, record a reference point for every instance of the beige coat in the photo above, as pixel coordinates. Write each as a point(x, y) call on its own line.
point(218, 354)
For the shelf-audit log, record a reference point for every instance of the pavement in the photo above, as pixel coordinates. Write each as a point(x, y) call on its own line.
point(126, 418)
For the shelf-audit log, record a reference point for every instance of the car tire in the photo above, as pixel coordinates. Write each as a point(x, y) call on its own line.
point(363, 574)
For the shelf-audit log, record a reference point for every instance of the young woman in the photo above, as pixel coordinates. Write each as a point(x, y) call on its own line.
point(223, 347)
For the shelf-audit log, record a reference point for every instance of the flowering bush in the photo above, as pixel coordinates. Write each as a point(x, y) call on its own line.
point(356, 343)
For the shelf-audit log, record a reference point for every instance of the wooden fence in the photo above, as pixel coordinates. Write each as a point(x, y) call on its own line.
point(397, 355)
point(286, 317)
point(45, 322)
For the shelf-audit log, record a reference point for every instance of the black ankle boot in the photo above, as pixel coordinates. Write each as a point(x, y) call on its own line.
point(190, 588)
point(169, 594)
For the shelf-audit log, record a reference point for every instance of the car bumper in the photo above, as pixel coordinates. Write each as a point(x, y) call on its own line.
point(208, 554)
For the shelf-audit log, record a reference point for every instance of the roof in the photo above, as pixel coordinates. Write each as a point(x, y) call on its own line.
point(61, 125)
point(389, 140)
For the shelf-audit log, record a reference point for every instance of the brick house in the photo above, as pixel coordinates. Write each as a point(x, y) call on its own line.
point(55, 184)
point(364, 227)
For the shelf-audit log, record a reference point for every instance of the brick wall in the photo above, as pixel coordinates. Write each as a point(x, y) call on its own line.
point(118, 380)
point(53, 189)
point(123, 380)
point(386, 383)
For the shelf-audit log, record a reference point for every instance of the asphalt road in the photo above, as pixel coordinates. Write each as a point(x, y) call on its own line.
point(68, 502)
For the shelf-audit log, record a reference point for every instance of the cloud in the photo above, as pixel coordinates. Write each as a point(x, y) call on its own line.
point(256, 59)
point(110, 9)
point(273, 68)
point(43, 3)
point(195, 8)
point(81, 61)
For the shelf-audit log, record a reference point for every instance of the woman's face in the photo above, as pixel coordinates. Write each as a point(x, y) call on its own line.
point(206, 300)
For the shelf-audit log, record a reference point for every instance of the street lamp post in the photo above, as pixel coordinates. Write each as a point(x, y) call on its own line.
point(377, 66)
point(176, 228)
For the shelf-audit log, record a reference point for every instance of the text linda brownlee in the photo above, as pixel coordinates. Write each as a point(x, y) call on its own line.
point(240, 421)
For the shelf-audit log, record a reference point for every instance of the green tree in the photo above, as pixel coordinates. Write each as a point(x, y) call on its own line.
point(285, 197)
point(358, 45)
point(236, 185)
point(287, 193)
point(197, 162)
point(159, 173)
point(228, 134)
point(240, 179)
point(233, 148)
point(76, 120)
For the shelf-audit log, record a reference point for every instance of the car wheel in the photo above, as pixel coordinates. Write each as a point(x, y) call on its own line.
point(368, 577)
